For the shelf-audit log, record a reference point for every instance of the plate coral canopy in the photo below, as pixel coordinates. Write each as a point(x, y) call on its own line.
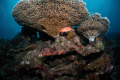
point(49, 16)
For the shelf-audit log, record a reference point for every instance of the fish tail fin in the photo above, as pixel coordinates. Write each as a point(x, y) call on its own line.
point(58, 31)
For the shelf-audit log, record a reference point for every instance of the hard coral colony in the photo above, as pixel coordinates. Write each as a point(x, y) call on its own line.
point(66, 57)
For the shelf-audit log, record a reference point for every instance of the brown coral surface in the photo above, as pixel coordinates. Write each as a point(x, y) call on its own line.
point(49, 15)
point(94, 26)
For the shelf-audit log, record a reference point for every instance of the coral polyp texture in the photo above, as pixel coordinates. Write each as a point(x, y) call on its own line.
point(94, 26)
point(49, 16)
point(67, 55)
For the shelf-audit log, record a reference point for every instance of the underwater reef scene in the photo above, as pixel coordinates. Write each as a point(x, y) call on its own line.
point(62, 52)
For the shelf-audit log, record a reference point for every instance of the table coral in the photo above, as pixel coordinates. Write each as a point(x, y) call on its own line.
point(94, 26)
point(49, 16)
point(97, 64)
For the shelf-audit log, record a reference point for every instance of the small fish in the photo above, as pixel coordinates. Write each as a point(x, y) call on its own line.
point(28, 38)
point(65, 29)
point(98, 39)
point(75, 27)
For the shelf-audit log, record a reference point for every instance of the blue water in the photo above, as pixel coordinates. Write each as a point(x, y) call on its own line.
point(107, 8)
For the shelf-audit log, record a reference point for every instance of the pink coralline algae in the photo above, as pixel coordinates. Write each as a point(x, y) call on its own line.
point(48, 62)
point(62, 46)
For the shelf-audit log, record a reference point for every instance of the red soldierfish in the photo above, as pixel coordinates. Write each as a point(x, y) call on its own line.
point(65, 29)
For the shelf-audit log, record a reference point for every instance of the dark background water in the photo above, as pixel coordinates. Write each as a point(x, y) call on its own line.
point(107, 8)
